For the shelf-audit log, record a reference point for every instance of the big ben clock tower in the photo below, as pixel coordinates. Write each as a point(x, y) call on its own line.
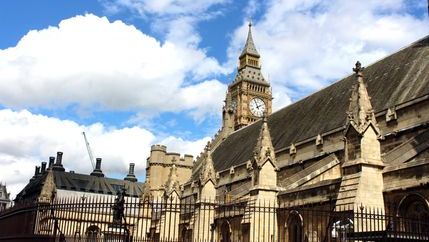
point(249, 95)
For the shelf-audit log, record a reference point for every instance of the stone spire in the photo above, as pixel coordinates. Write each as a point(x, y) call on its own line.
point(228, 114)
point(249, 47)
point(264, 147)
point(361, 113)
point(208, 171)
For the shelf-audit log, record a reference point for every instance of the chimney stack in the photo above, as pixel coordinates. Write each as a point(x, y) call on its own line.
point(43, 169)
point(98, 163)
point(97, 171)
point(37, 171)
point(131, 177)
point(51, 162)
point(58, 166)
point(59, 158)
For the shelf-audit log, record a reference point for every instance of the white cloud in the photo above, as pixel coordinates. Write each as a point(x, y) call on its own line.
point(162, 7)
point(307, 44)
point(92, 62)
point(27, 139)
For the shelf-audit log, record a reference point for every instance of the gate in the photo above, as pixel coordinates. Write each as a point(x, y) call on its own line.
point(104, 218)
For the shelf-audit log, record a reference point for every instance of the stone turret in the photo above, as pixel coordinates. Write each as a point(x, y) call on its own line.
point(264, 147)
point(264, 181)
point(264, 174)
point(362, 133)
point(157, 153)
point(362, 181)
point(208, 172)
point(158, 168)
point(360, 113)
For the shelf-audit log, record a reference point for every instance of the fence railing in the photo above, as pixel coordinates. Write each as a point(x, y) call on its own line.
point(103, 218)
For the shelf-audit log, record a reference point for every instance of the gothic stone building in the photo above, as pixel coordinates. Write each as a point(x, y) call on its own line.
point(362, 141)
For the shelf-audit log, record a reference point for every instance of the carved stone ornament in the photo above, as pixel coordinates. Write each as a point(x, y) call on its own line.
point(231, 171)
point(292, 149)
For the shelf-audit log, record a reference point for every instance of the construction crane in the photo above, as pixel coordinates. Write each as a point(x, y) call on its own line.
point(91, 157)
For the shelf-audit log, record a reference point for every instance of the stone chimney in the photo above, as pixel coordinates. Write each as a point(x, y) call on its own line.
point(43, 167)
point(97, 171)
point(58, 166)
point(51, 162)
point(131, 177)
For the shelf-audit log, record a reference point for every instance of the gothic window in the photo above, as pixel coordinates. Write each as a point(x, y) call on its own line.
point(414, 213)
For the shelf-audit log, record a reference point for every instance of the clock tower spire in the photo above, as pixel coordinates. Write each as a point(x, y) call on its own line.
point(249, 95)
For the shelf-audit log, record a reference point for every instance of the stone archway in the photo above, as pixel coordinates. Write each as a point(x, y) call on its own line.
point(225, 232)
point(414, 209)
point(294, 225)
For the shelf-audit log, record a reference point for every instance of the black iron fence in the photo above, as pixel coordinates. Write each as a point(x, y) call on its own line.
point(104, 218)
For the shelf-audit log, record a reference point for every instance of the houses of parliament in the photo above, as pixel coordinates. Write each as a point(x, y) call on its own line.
point(362, 141)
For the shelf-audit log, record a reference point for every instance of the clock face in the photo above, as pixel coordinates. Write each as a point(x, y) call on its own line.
point(257, 107)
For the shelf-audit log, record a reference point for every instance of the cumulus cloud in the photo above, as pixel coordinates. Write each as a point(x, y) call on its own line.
point(27, 139)
point(94, 63)
point(307, 44)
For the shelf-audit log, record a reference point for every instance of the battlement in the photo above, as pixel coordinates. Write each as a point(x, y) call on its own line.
point(158, 147)
point(159, 154)
point(159, 165)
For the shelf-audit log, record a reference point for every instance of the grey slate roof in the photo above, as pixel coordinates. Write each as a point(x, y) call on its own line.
point(400, 77)
point(83, 183)
point(251, 74)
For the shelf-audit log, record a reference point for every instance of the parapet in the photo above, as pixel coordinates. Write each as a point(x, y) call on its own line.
point(188, 159)
point(159, 154)
point(161, 148)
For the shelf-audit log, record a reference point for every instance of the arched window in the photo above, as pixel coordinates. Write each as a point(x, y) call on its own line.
point(414, 211)
point(295, 227)
point(92, 233)
point(225, 232)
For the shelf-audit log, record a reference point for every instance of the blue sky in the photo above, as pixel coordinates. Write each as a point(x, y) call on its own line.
point(132, 73)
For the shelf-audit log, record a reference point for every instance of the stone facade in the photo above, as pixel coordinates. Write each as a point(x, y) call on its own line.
point(362, 142)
